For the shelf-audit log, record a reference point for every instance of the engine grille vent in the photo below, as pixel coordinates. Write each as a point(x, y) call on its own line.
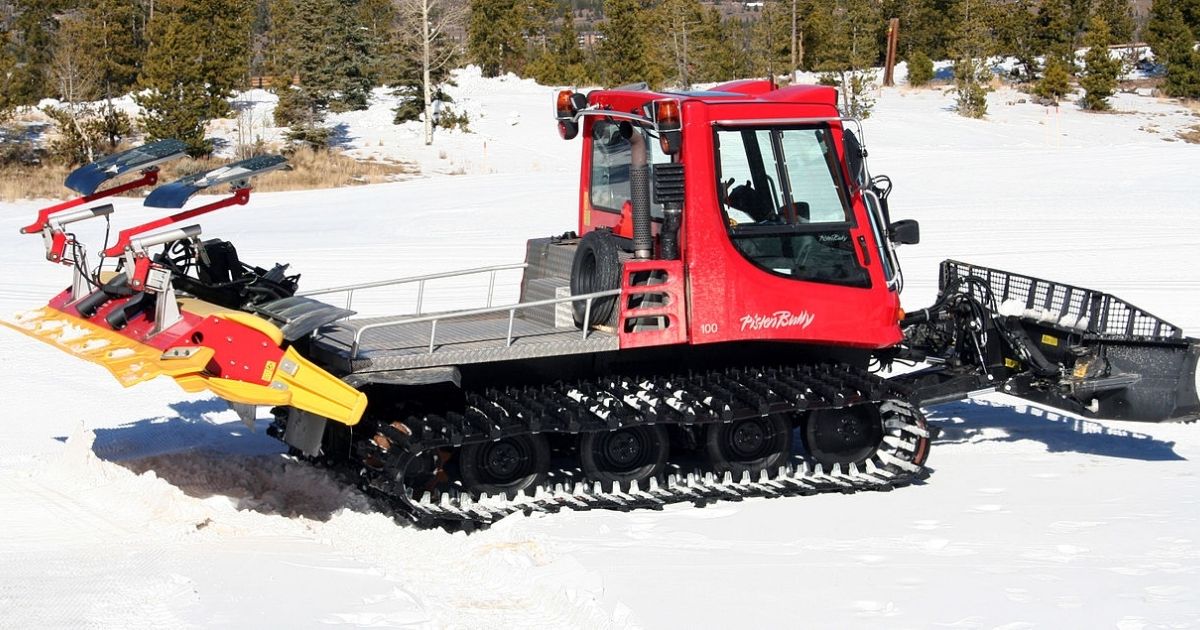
point(668, 183)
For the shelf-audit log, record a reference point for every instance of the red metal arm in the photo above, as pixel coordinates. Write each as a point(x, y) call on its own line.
point(240, 197)
point(148, 178)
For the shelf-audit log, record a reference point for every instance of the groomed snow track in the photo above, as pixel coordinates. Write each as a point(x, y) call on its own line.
point(612, 403)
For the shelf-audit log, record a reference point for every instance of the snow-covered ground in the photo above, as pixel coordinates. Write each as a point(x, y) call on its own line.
point(152, 508)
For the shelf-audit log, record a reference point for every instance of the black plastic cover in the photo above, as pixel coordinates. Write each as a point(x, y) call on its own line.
point(86, 179)
point(177, 193)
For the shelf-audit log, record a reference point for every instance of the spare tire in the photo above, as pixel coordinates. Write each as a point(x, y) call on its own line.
point(597, 267)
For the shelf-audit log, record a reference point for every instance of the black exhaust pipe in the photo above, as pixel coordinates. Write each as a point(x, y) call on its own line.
point(668, 191)
point(639, 189)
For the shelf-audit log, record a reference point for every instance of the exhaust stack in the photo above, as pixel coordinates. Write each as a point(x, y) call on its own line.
point(639, 189)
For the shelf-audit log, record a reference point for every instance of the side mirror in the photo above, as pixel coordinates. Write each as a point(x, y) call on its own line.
point(905, 232)
point(568, 129)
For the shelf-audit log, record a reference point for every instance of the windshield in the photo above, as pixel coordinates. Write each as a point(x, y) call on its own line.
point(785, 204)
point(780, 176)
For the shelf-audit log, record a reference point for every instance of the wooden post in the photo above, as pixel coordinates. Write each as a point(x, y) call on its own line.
point(890, 63)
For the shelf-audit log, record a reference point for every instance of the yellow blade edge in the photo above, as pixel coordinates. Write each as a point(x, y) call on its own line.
point(127, 360)
point(318, 391)
point(295, 382)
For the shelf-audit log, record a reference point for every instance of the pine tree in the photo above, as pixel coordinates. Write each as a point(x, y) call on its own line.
point(346, 69)
point(920, 69)
point(222, 44)
point(563, 63)
point(696, 45)
point(537, 24)
point(924, 25)
point(198, 54)
point(771, 38)
point(625, 54)
point(34, 29)
point(678, 20)
point(495, 39)
point(1078, 12)
point(377, 20)
point(1100, 71)
point(1118, 14)
point(850, 50)
point(1017, 35)
point(1164, 25)
point(7, 64)
point(110, 31)
point(971, 47)
point(281, 41)
point(302, 106)
point(333, 61)
point(722, 54)
point(1174, 44)
point(1056, 81)
point(1056, 30)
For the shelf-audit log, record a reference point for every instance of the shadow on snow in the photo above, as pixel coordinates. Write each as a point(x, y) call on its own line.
point(205, 457)
point(976, 421)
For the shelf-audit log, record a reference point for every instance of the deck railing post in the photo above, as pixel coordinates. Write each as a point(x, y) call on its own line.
point(587, 317)
point(511, 310)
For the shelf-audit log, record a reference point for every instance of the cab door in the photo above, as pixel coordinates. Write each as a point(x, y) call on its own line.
point(793, 254)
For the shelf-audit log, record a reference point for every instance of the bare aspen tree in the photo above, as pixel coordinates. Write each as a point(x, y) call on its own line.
point(74, 71)
point(427, 21)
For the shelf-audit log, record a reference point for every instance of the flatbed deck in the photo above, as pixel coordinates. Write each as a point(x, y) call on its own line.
point(457, 341)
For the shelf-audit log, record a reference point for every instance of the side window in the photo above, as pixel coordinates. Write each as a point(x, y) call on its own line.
point(612, 155)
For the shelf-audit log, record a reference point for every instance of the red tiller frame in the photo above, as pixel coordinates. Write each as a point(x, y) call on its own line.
point(148, 178)
point(240, 197)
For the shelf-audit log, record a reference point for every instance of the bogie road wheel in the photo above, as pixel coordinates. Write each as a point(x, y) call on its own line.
point(843, 436)
point(749, 445)
point(506, 466)
point(627, 456)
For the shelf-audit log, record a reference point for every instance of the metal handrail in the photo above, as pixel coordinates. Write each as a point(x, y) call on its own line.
point(511, 309)
point(349, 289)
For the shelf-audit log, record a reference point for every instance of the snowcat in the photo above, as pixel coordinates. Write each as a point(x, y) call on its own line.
point(715, 327)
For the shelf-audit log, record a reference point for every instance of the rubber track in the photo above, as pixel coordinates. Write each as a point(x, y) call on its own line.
point(614, 402)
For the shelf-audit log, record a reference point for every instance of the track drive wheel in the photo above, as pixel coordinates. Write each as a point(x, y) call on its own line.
point(843, 436)
point(506, 466)
point(749, 445)
point(627, 456)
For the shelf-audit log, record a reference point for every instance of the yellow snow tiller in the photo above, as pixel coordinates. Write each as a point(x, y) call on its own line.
point(189, 311)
